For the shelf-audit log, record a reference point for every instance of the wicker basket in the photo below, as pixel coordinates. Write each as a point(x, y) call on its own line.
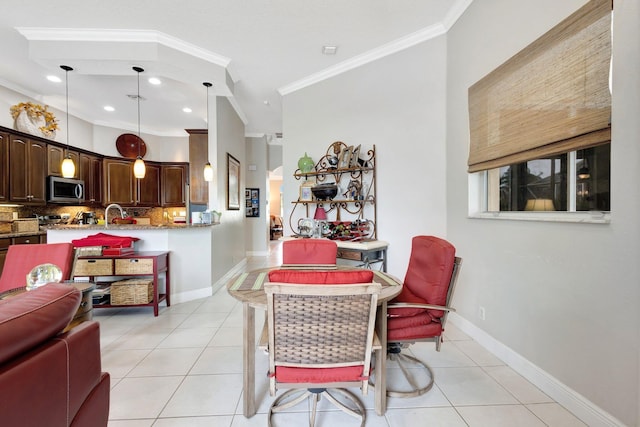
point(132, 291)
point(5, 227)
point(89, 251)
point(6, 216)
point(27, 225)
point(93, 267)
point(126, 266)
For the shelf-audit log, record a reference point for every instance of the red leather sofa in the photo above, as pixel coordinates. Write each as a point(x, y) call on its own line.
point(49, 377)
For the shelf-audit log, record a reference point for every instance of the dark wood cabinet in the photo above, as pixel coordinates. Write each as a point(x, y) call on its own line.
point(148, 188)
point(173, 184)
point(27, 171)
point(198, 155)
point(119, 183)
point(91, 173)
point(4, 167)
point(55, 156)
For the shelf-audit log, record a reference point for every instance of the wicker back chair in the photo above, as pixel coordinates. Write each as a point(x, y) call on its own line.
point(320, 340)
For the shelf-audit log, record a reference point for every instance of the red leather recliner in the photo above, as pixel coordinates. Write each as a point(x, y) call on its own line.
point(419, 312)
point(49, 378)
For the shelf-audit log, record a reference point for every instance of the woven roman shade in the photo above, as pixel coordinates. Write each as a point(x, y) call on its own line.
point(550, 98)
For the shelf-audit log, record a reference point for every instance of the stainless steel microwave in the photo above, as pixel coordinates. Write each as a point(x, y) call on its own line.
point(65, 190)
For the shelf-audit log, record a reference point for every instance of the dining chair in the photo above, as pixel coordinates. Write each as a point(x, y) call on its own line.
point(419, 312)
point(298, 253)
point(320, 339)
point(22, 258)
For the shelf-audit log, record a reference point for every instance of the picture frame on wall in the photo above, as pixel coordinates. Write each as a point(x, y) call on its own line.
point(252, 202)
point(355, 157)
point(233, 183)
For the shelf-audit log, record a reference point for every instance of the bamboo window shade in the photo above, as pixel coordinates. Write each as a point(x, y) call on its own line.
point(550, 98)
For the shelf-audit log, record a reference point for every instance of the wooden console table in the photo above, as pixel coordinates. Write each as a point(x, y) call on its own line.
point(367, 252)
point(133, 265)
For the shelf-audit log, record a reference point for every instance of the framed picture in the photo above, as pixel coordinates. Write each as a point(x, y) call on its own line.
point(252, 202)
point(355, 156)
point(345, 157)
point(305, 193)
point(233, 183)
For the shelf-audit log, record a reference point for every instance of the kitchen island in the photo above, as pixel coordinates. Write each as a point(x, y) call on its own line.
point(191, 273)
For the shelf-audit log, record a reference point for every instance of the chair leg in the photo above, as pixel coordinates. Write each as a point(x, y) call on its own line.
point(287, 400)
point(357, 412)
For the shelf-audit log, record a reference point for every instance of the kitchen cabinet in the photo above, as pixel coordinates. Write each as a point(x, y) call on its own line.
point(55, 156)
point(91, 173)
point(27, 171)
point(198, 155)
point(148, 188)
point(4, 167)
point(173, 182)
point(119, 183)
point(351, 213)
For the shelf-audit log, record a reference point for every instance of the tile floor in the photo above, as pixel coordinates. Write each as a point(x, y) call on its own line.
point(184, 368)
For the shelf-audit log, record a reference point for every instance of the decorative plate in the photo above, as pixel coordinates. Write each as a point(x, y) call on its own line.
point(128, 145)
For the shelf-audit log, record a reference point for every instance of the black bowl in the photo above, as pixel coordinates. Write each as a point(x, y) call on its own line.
point(324, 191)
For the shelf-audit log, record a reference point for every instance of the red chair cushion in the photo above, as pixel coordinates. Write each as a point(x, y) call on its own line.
point(309, 251)
point(428, 275)
point(309, 277)
point(22, 258)
point(417, 332)
point(285, 374)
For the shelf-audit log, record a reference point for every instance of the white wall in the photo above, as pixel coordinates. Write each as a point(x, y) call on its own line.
point(229, 236)
point(398, 104)
point(564, 296)
point(257, 228)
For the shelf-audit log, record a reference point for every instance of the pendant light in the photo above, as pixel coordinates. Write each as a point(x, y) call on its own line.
point(208, 169)
point(139, 169)
point(68, 167)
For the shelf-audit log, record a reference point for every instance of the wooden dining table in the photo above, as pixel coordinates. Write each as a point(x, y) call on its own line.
point(249, 289)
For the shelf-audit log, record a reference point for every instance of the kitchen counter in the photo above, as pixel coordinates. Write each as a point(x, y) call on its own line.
point(113, 227)
point(23, 234)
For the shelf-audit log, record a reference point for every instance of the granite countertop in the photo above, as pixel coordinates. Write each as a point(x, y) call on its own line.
point(28, 233)
point(124, 227)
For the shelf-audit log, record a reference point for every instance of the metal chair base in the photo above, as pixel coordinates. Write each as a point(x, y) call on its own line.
point(416, 389)
point(292, 397)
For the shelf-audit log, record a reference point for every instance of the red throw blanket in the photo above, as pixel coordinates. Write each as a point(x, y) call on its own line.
point(108, 240)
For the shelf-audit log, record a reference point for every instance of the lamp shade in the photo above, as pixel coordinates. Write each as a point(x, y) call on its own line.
point(539, 205)
point(320, 213)
point(68, 168)
point(139, 169)
point(208, 172)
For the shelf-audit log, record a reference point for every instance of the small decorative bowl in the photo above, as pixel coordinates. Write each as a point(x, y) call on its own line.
point(324, 191)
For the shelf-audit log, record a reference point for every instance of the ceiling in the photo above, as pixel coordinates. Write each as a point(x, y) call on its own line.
point(253, 51)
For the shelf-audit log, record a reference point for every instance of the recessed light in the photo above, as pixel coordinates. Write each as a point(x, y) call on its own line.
point(187, 109)
point(155, 81)
point(329, 50)
point(54, 79)
point(109, 108)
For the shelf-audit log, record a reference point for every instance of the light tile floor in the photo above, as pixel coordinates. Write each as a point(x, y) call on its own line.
point(184, 368)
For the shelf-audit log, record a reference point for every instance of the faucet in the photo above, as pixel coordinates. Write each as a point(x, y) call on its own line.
point(106, 211)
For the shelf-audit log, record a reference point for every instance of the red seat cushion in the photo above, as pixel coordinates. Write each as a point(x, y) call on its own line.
point(309, 251)
point(309, 277)
point(285, 374)
point(428, 276)
point(22, 258)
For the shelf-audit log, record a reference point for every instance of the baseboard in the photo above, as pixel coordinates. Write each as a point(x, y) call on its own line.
point(191, 295)
point(234, 271)
point(581, 407)
point(257, 253)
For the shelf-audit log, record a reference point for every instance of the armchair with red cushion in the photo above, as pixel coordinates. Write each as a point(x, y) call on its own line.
point(419, 312)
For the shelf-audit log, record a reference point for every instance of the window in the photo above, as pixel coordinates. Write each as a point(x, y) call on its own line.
point(573, 182)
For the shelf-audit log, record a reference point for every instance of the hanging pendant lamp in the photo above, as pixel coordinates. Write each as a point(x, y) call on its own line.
point(139, 169)
point(68, 167)
point(208, 169)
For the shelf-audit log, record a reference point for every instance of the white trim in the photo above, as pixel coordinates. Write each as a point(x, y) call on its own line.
point(257, 253)
point(234, 271)
point(123, 36)
point(191, 295)
point(580, 406)
point(587, 217)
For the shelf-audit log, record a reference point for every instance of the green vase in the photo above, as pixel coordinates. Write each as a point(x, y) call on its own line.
point(305, 164)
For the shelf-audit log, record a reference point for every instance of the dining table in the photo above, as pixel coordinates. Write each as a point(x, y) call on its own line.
point(248, 288)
